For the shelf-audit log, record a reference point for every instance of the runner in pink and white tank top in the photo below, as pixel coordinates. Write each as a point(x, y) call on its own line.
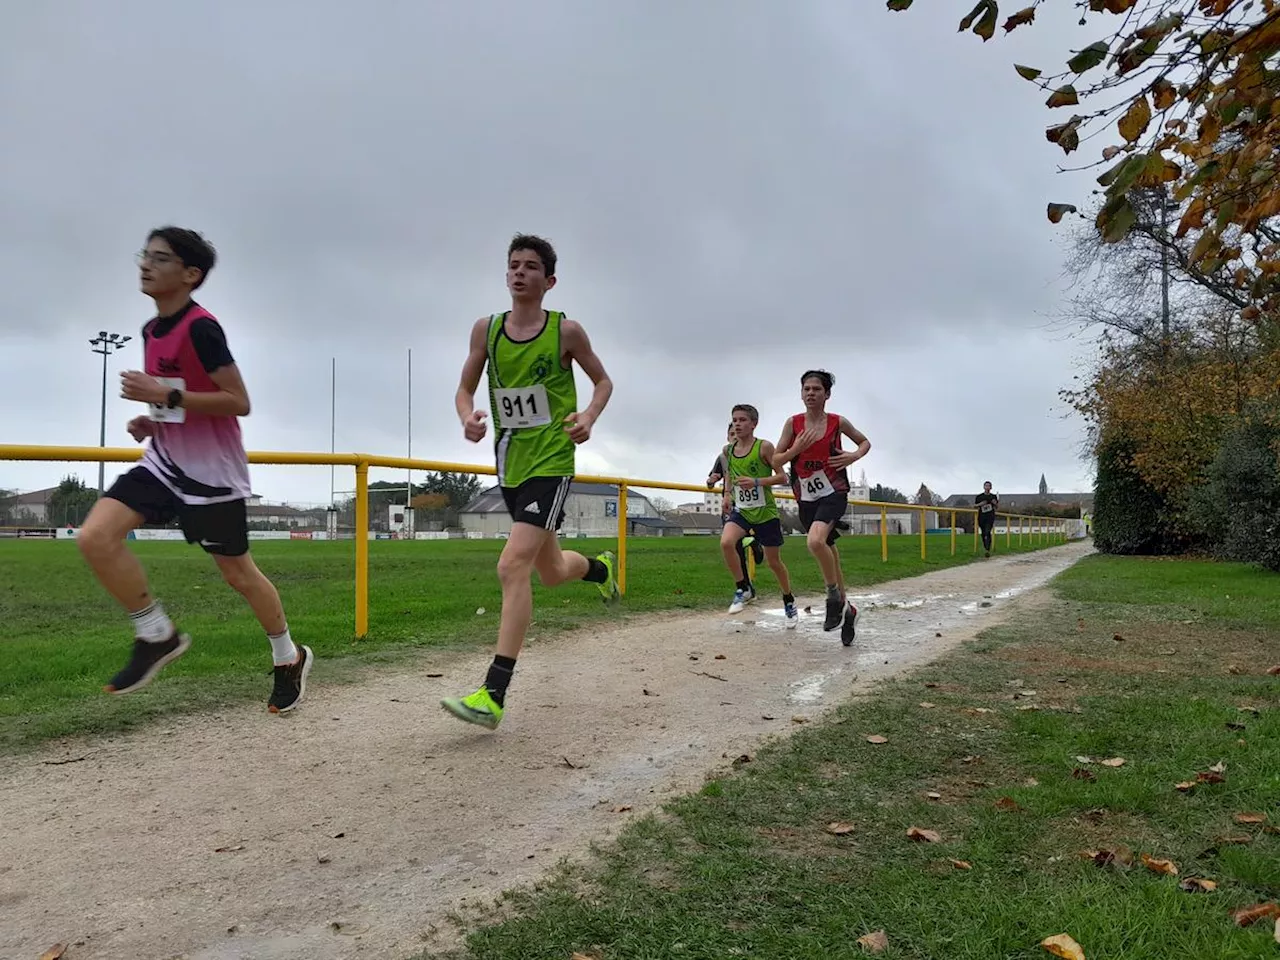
point(199, 456)
point(194, 470)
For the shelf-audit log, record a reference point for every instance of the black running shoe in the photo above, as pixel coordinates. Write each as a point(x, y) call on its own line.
point(291, 682)
point(835, 610)
point(757, 552)
point(849, 628)
point(147, 660)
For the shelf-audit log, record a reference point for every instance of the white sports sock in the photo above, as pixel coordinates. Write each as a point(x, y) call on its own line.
point(152, 624)
point(282, 649)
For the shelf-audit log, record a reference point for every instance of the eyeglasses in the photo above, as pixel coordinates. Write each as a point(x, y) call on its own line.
point(146, 256)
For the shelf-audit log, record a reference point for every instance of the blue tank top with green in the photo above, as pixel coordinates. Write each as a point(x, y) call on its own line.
point(755, 504)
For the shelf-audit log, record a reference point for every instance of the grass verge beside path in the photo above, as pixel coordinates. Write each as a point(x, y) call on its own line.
point(64, 637)
point(999, 749)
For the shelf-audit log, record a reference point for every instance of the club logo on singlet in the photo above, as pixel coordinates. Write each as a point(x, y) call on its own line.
point(541, 368)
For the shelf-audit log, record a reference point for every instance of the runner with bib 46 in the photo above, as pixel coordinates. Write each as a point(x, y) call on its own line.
point(820, 479)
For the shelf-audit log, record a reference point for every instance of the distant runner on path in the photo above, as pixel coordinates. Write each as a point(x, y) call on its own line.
point(987, 503)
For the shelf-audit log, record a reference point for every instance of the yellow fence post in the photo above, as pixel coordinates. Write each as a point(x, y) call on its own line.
point(1020, 520)
point(975, 532)
point(1008, 532)
point(884, 534)
point(924, 551)
point(362, 548)
point(621, 572)
point(953, 533)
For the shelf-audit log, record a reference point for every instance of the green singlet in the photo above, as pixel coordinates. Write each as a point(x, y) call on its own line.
point(755, 504)
point(530, 394)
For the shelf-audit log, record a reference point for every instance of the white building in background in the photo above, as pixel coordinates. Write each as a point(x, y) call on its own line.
point(590, 510)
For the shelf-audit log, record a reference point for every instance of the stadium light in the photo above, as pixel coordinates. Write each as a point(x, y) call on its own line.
point(104, 343)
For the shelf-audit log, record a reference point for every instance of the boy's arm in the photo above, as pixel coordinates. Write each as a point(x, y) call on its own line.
point(473, 427)
point(851, 456)
point(578, 346)
point(767, 453)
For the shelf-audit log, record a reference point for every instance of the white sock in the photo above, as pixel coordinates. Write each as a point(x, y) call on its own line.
point(152, 624)
point(282, 649)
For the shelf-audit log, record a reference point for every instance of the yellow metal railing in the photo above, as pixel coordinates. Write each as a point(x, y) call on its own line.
point(1041, 529)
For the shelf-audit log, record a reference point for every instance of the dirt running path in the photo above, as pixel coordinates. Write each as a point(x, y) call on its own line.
point(350, 828)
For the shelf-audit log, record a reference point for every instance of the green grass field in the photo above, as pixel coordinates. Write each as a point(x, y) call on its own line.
point(997, 748)
point(64, 637)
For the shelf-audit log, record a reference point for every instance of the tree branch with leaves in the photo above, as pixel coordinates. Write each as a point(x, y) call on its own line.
point(1191, 86)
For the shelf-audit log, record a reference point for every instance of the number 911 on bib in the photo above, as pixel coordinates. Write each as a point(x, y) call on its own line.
point(522, 407)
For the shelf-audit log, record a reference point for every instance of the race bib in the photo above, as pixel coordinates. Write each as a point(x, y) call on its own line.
point(815, 487)
point(748, 498)
point(521, 407)
point(987, 508)
point(161, 413)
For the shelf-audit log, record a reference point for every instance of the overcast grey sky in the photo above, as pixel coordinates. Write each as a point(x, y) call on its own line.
point(738, 190)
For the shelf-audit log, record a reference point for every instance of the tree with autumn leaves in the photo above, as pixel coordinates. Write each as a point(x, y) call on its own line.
point(1180, 95)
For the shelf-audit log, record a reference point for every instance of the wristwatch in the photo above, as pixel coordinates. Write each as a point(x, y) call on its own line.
point(175, 398)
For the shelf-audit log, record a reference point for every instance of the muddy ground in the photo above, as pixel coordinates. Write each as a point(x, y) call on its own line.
point(352, 828)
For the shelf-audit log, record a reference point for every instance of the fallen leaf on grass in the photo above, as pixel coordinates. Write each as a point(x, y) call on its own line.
point(1277, 934)
point(1084, 759)
point(971, 759)
point(838, 828)
point(1165, 867)
point(1235, 670)
point(931, 686)
point(1219, 767)
point(1259, 911)
point(1080, 774)
point(931, 836)
point(1210, 777)
point(1031, 782)
point(1250, 818)
point(1117, 638)
point(962, 864)
point(1113, 762)
point(926, 705)
point(1186, 786)
point(799, 719)
point(1254, 711)
point(876, 738)
point(1063, 945)
point(1197, 885)
point(55, 952)
point(1007, 804)
point(1105, 858)
point(741, 759)
point(933, 795)
point(876, 942)
point(585, 956)
point(1274, 671)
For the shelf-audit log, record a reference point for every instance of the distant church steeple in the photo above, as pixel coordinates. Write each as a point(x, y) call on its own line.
point(1044, 487)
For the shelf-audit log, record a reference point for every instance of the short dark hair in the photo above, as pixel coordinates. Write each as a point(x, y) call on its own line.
point(828, 381)
point(748, 409)
point(189, 247)
point(546, 253)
